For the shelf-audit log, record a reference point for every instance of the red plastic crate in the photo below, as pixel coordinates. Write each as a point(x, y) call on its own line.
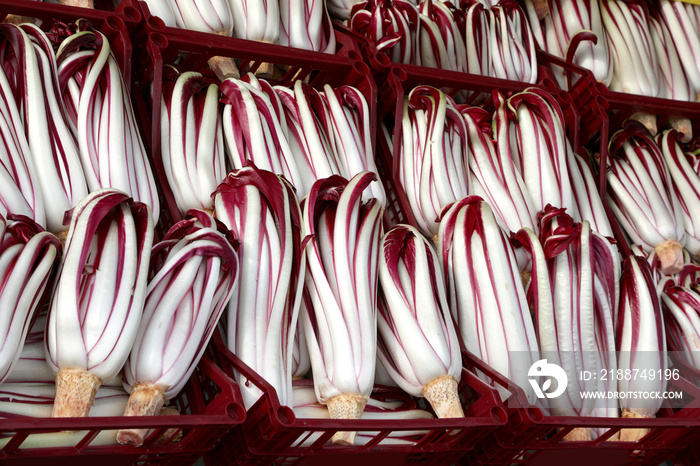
point(189, 51)
point(530, 437)
point(688, 457)
point(209, 405)
point(271, 432)
point(535, 439)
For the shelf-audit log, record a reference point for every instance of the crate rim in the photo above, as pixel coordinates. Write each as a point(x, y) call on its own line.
point(533, 414)
point(498, 415)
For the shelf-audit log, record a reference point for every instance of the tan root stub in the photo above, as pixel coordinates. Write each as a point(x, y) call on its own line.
point(62, 237)
point(265, 70)
point(648, 120)
point(579, 434)
point(670, 254)
point(542, 8)
point(443, 395)
point(80, 3)
point(632, 435)
point(346, 406)
point(682, 125)
point(75, 393)
point(174, 434)
point(525, 278)
point(145, 400)
point(16, 19)
point(224, 67)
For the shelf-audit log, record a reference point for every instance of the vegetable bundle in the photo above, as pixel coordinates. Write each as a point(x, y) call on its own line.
point(414, 309)
point(642, 196)
point(478, 38)
point(341, 325)
point(303, 24)
point(53, 148)
point(520, 163)
point(261, 210)
point(572, 29)
point(485, 290)
point(194, 273)
point(300, 132)
point(27, 258)
point(641, 48)
point(99, 107)
point(98, 299)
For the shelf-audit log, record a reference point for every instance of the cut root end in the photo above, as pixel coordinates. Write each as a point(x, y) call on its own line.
point(75, 393)
point(174, 434)
point(17, 19)
point(525, 278)
point(145, 400)
point(346, 406)
point(62, 237)
point(579, 434)
point(670, 254)
point(265, 71)
point(682, 125)
point(224, 67)
point(541, 8)
point(80, 3)
point(648, 120)
point(443, 395)
point(633, 435)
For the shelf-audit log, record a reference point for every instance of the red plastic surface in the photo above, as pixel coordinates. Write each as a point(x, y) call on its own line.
point(688, 457)
point(209, 405)
point(271, 431)
point(535, 439)
point(189, 51)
